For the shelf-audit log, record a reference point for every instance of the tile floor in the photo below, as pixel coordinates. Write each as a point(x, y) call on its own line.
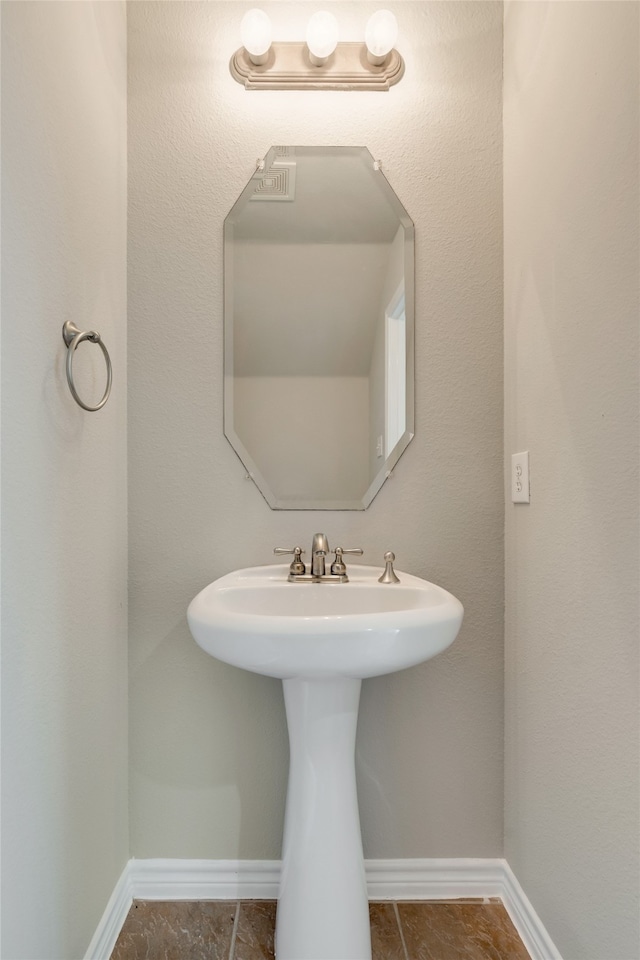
point(229, 930)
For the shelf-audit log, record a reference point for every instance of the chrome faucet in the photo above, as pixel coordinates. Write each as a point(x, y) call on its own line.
point(319, 550)
point(318, 568)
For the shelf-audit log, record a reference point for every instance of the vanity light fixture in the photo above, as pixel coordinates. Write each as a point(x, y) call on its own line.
point(322, 63)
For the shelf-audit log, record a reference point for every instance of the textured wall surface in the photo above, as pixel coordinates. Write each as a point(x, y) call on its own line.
point(208, 742)
point(571, 371)
point(64, 562)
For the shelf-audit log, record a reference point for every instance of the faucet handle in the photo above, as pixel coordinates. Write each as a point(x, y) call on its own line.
point(338, 568)
point(297, 567)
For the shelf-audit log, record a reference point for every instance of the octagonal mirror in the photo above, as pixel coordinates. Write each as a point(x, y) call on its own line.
point(319, 328)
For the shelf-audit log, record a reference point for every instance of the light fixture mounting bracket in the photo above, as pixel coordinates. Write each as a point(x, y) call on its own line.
point(288, 67)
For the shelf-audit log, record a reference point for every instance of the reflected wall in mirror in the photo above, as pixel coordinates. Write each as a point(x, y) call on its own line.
point(319, 328)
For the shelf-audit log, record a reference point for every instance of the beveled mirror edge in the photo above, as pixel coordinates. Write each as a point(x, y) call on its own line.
point(264, 489)
point(385, 473)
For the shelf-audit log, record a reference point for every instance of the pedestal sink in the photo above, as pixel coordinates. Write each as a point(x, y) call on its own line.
point(322, 640)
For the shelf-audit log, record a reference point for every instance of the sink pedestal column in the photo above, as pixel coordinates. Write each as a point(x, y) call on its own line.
point(323, 910)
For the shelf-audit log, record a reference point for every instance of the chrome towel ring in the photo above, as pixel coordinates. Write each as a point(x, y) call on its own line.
point(73, 337)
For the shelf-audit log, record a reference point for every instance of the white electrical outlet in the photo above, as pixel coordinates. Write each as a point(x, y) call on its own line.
point(379, 447)
point(520, 477)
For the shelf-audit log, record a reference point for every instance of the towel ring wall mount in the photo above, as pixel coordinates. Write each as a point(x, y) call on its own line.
point(73, 337)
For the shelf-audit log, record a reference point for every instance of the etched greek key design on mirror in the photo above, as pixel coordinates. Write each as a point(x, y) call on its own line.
point(319, 328)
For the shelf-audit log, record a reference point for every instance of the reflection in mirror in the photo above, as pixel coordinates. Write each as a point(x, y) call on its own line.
point(319, 328)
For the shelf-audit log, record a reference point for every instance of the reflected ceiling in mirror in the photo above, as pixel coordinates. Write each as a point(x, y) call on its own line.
point(319, 328)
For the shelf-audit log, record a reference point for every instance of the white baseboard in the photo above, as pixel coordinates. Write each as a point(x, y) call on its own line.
point(104, 939)
point(530, 928)
point(205, 879)
point(433, 879)
point(259, 879)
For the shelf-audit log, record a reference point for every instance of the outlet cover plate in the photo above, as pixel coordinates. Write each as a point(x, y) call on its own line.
point(520, 492)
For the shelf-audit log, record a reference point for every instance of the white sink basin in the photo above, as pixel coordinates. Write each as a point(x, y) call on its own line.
point(322, 640)
point(255, 619)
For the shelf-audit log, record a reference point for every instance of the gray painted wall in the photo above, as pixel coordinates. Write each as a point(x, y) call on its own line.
point(64, 495)
point(571, 379)
point(208, 742)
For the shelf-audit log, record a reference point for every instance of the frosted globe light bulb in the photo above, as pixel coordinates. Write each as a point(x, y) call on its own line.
point(380, 36)
point(255, 31)
point(322, 37)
